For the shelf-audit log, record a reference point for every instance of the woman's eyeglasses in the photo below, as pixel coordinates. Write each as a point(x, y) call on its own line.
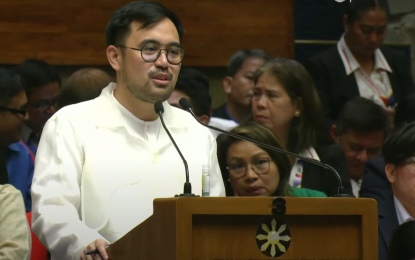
point(259, 166)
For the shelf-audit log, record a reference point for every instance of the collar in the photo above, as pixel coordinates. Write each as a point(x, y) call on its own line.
point(401, 212)
point(15, 147)
point(351, 64)
point(108, 115)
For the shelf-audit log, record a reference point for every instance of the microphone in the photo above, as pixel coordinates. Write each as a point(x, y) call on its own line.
point(184, 103)
point(187, 190)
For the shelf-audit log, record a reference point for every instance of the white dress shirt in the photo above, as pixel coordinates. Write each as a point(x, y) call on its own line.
point(221, 123)
point(356, 186)
point(401, 212)
point(375, 86)
point(98, 171)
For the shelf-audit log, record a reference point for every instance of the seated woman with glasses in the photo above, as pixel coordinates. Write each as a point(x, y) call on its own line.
point(286, 102)
point(249, 170)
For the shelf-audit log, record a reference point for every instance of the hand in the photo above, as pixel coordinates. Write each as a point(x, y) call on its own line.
point(391, 115)
point(97, 244)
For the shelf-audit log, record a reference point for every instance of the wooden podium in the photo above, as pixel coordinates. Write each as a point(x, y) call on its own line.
point(239, 227)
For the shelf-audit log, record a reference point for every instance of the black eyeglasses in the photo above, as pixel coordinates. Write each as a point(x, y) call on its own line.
point(22, 111)
point(259, 166)
point(44, 105)
point(151, 52)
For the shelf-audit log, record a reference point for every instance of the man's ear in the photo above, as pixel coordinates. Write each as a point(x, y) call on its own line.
point(227, 84)
point(114, 57)
point(390, 171)
point(204, 119)
point(333, 133)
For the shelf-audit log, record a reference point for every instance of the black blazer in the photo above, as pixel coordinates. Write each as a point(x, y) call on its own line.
point(336, 88)
point(220, 112)
point(317, 178)
point(4, 177)
point(375, 184)
point(387, 223)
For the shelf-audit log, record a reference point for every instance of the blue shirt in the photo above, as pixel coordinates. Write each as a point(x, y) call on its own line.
point(20, 166)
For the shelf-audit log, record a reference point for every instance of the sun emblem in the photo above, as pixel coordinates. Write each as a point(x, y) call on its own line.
point(273, 238)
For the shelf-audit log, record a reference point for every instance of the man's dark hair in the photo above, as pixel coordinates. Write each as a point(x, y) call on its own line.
point(355, 8)
point(400, 145)
point(145, 12)
point(401, 246)
point(238, 59)
point(362, 115)
point(10, 85)
point(36, 74)
point(195, 84)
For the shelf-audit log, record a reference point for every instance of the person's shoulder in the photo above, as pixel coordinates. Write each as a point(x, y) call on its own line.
point(393, 55)
point(303, 192)
point(326, 55)
point(9, 190)
point(183, 118)
point(222, 123)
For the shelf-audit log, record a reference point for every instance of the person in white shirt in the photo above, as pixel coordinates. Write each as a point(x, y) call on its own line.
point(399, 155)
point(360, 130)
point(101, 163)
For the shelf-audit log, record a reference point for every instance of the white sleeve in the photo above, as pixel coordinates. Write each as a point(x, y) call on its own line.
point(56, 192)
point(217, 188)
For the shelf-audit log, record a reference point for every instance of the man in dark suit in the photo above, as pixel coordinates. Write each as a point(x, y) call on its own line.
point(238, 85)
point(399, 206)
point(357, 66)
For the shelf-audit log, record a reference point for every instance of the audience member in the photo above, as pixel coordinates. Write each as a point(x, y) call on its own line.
point(401, 246)
point(398, 153)
point(360, 130)
point(20, 163)
point(42, 83)
point(286, 102)
point(14, 228)
point(250, 170)
point(358, 66)
point(194, 85)
point(375, 184)
point(84, 84)
point(101, 163)
point(238, 85)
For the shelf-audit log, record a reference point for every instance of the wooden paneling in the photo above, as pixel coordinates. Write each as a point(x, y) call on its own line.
point(71, 32)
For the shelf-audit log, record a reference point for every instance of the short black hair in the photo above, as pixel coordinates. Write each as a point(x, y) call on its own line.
point(10, 85)
point(145, 12)
point(355, 8)
point(401, 246)
point(400, 145)
point(195, 84)
point(362, 115)
point(37, 73)
point(237, 60)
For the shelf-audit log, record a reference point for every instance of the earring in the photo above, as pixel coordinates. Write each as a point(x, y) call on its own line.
point(229, 180)
point(297, 114)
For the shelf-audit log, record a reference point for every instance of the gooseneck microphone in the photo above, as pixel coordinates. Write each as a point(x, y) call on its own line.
point(184, 103)
point(187, 191)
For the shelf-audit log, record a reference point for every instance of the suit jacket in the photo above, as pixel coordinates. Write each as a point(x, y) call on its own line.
point(220, 112)
point(387, 223)
point(4, 176)
point(375, 184)
point(336, 88)
point(318, 178)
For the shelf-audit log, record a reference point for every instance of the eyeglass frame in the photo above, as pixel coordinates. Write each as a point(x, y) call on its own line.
point(158, 53)
point(269, 160)
point(21, 111)
point(50, 102)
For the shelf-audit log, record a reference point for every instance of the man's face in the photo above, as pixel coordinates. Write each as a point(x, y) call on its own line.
point(11, 122)
point(150, 81)
point(359, 148)
point(240, 89)
point(367, 34)
point(42, 105)
point(402, 179)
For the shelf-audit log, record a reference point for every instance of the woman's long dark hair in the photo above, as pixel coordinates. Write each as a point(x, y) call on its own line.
point(305, 130)
point(261, 134)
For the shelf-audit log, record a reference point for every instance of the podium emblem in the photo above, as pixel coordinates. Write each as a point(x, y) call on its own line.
point(273, 237)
